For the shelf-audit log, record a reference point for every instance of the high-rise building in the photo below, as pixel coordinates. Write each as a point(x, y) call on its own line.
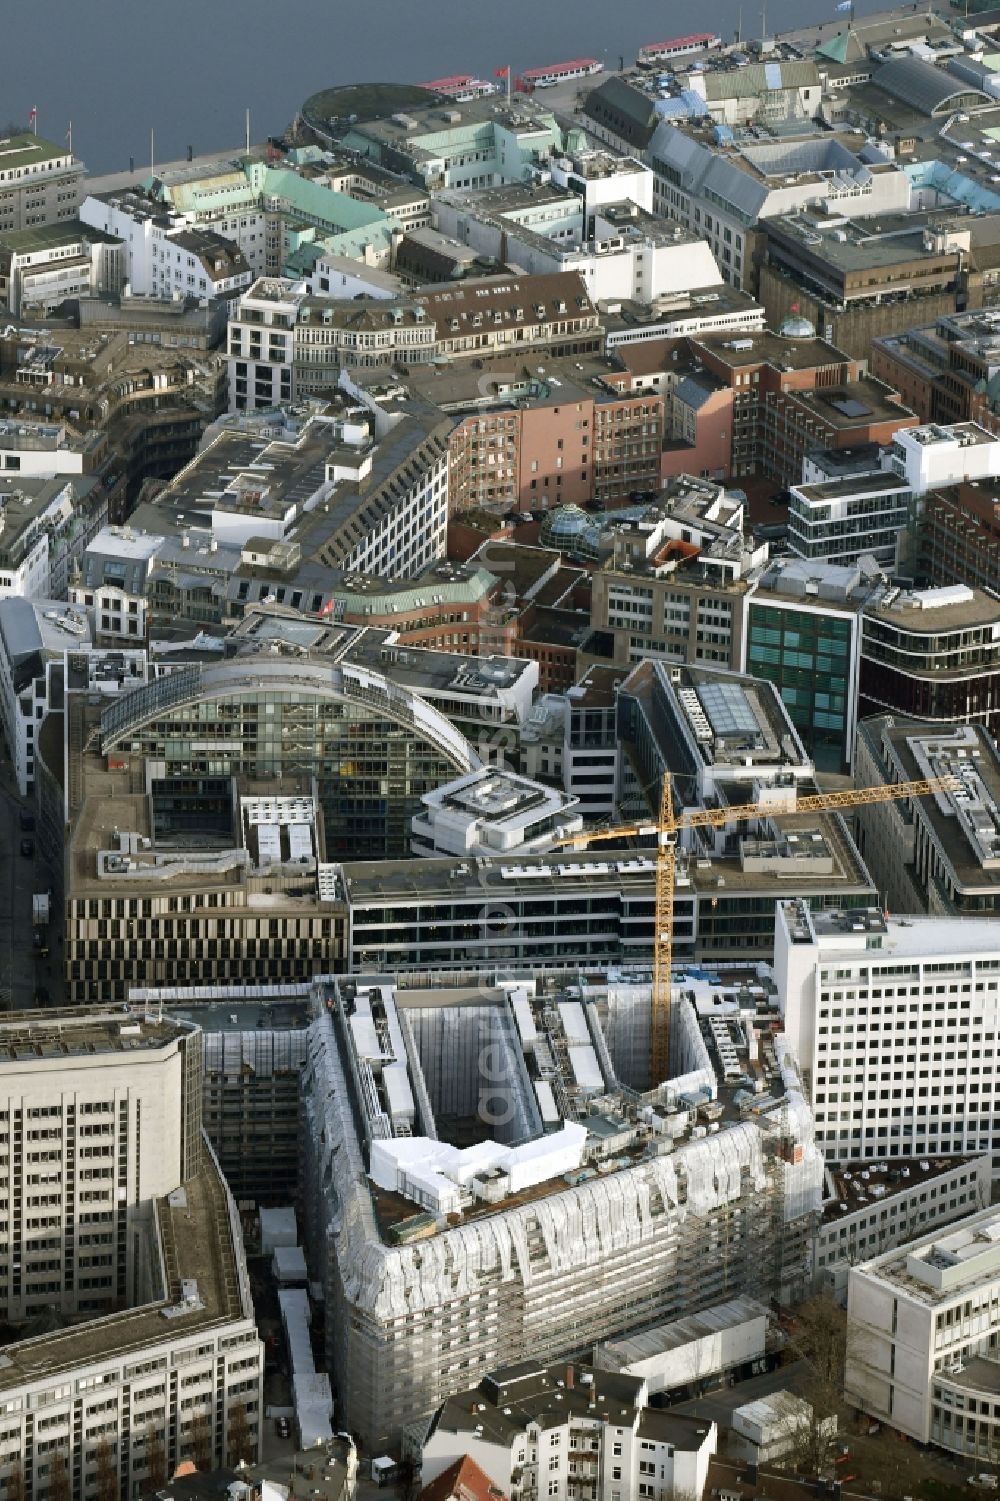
point(894, 1023)
point(121, 1240)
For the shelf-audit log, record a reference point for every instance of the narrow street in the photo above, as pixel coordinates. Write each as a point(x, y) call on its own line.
point(21, 970)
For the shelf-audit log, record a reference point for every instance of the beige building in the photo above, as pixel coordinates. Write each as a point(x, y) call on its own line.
point(118, 1231)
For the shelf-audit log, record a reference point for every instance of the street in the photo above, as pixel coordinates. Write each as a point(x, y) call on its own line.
point(21, 971)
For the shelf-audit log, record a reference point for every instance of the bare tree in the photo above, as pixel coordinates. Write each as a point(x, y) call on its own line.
point(201, 1440)
point(107, 1471)
point(15, 1482)
point(241, 1444)
point(59, 1483)
point(156, 1460)
point(818, 1338)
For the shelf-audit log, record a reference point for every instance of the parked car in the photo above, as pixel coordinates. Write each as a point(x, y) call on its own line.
point(27, 821)
point(28, 848)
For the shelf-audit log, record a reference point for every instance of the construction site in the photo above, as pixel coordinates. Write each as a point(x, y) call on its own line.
point(487, 1174)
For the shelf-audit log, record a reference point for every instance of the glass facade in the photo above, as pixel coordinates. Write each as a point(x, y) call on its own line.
point(807, 656)
point(371, 766)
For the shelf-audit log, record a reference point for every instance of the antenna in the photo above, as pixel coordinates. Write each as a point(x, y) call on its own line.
point(248, 132)
point(152, 139)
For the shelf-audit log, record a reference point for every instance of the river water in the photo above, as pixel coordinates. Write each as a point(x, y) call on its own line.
point(189, 69)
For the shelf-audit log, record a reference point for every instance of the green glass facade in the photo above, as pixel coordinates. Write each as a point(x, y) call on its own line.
point(808, 657)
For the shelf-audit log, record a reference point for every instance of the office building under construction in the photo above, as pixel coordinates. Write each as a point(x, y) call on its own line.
point(487, 1174)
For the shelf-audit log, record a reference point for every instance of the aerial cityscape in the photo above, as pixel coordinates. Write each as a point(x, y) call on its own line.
point(499, 774)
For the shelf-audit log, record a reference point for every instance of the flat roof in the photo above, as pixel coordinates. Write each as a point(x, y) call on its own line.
point(739, 349)
point(83, 1032)
point(904, 740)
point(196, 1234)
point(851, 485)
point(29, 150)
point(856, 1185)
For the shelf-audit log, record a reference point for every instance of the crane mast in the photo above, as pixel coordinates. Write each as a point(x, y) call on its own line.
point(666, 831)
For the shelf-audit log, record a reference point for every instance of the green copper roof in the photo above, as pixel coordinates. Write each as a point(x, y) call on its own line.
point(836, 48)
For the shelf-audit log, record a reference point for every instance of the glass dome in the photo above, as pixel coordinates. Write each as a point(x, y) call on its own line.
point(797, 327)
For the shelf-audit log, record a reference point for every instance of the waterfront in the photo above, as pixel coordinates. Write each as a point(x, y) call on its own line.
point(190, 70)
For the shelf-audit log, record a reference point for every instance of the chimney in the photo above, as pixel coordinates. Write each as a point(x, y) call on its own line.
point(570, 1378)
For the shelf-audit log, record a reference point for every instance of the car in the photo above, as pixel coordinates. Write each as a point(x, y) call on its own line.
point(27, 821)
point(281, 1424)
point(983, 1482)
point(28, 848)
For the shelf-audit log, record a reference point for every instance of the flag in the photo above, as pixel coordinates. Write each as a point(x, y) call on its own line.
point(846, 5)
point(503, 72)
point(32, 114)
point(69, 134)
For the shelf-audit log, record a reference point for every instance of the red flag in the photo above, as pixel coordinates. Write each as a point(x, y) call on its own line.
point(32, 114)
point(503, 72)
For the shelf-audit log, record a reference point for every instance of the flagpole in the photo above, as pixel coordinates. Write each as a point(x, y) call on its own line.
point(69, 137)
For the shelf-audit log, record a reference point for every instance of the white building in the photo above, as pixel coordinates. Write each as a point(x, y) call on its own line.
point(97, 1117)
point(621, 250)
point(40, 268)
point(871, 1207)
point(933, 456)
point(112, 582)
point(46, 525)
point(33, 634)
point(842, 520)
point(769, 91)
point(599, 178)
point(284, 343)
point(770, 1427)
point(165, 255)
point(493, 1239)
point(570, 1431)
point(493, 811)
point(894, 1022)
point(38, 450)
point(923, 1329)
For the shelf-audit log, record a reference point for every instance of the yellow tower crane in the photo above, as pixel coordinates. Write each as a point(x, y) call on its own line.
point(666, 831)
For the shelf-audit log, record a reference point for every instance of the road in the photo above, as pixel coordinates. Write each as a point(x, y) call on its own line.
point(115, 181)
point(21, 970)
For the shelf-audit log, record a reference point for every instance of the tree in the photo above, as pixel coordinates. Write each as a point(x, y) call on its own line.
point(107, 1471)
point(241, 1445)
point(201, 1440)
point(59, 1486)
point(156, 1460)
point(15, 1482)
point(818, 1339)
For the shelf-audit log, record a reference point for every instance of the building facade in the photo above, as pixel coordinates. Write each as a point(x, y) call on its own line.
point(875, 1010)
point(921, 1338)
